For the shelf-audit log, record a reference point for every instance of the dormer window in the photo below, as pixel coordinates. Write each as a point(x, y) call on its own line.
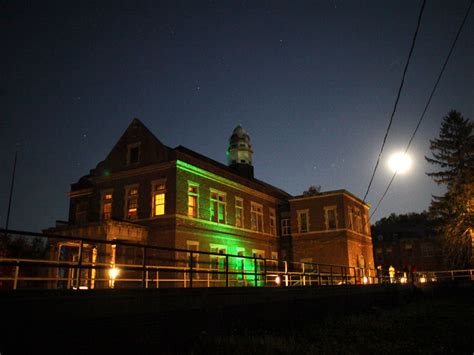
point(133, 154)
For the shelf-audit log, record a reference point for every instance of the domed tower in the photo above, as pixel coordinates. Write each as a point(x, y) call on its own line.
point(239, 152)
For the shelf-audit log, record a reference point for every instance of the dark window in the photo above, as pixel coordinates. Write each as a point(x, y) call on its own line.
point(134, 155)
point(81, 212)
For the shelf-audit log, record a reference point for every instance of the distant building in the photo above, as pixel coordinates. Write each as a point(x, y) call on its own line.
point(405, 241)
point(146, 192)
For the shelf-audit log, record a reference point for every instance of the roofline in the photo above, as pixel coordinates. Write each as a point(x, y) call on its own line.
point(225, 168)
point(330, 193)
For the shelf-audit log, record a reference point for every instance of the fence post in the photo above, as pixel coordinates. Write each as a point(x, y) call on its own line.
point(227, 271)
point(304, 276)
point(286, 273)
point(452, 275)
point(144, 278)
point(319, 275)
point(79, 265)
point(331, 276)
point(17, 271)
point(191, 269)
point(265, 272)
point(255, 270)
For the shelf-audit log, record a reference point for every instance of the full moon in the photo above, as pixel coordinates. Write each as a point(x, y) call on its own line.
point(399, 163)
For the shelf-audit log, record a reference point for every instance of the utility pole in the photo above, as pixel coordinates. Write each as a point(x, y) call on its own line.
point(11, 194)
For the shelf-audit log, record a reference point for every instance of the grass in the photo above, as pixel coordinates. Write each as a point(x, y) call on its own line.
point(423, 327)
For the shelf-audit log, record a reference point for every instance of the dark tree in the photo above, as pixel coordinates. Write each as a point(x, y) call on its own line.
point(453, 152)
point(312, 190)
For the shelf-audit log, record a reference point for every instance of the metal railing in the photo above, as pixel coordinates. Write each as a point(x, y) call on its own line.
point(443, 276)
point(85, 263)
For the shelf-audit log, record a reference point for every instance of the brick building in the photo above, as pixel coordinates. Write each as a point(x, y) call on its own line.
point(149, 193)
point(405, 241)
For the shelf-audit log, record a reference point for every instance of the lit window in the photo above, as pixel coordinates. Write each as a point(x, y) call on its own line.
point(133, 153)
point(106, 206)
point(132, 203)
point(239, 212)
point(193, 198)
point(158, 198)
point(330, 215)
point(256, 216)
point(272, 221)
point(274, 255)
point(303, 221)
point(218, 206)
point(285, 226)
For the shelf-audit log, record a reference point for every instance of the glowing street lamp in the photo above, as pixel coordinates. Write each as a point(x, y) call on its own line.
point(113, 273)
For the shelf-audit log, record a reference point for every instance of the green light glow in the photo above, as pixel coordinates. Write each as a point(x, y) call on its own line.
point(223, 234)
point(213, 177)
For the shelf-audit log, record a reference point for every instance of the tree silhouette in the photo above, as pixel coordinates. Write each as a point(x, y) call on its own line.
point(453, 152)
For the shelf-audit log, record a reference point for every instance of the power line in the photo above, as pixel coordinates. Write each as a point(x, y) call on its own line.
point(398, 97)
point(428, 102)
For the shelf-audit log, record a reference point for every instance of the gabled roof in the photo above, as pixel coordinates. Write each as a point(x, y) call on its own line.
point(155, 152)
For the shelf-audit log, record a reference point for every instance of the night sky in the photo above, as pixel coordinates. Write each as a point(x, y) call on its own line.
point(313, 82)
